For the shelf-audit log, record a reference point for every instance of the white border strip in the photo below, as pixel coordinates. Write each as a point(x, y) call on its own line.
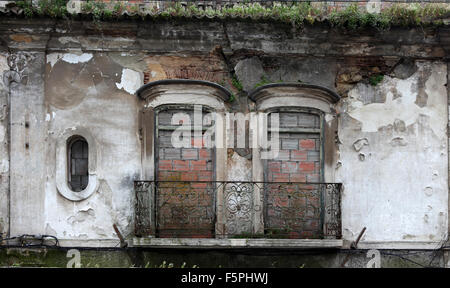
point(405, 245)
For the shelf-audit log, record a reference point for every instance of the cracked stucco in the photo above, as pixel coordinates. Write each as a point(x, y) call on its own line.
point(93, 78)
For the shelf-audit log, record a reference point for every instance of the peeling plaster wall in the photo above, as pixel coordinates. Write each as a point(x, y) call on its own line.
point(101, 99)
point(391, 151)
point(28, 143)
point(4, 147)
point(393, 157)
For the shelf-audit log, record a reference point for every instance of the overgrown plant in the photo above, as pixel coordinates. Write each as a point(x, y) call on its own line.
point(397, 15)
point(263, 81)
point(297, 14)
point(50, 8)
point(232, 98)
point(236, 83)
point(376, 79)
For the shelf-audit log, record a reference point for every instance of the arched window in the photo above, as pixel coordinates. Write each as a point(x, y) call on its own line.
point(300, 198)
point(293, 208)
point(185, 208)
point(78, 163)
point(184, 195)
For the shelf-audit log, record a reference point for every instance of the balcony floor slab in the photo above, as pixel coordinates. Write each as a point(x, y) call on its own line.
point(234, 243)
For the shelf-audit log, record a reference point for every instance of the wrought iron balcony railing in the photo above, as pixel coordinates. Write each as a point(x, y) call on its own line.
point(196, 209)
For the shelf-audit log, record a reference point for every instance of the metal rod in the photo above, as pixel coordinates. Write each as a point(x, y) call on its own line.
point(355, 243)
point(123, 244)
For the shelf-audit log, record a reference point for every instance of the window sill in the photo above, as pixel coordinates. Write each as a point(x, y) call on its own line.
point(234, 243)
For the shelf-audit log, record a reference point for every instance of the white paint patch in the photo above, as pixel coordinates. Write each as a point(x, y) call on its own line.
point(71, 58)
point(404, 107)
point(131, 81)
point(49, 117)
point(52, 58)
point(4, 166)
point(74, 58)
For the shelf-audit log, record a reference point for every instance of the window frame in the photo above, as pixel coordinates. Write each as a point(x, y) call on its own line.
point(156, 129)
point(300, 130)
point(181, 107)
point(320, 131)
point(61, 169)
point(70, 142)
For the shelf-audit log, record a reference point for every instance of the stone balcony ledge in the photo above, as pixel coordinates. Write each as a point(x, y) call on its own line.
point(234, 243)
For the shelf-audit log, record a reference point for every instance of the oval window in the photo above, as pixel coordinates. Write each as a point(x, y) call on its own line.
point(78, 163)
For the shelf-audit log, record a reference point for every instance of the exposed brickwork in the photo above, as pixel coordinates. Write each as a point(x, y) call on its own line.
point(210, 67)
point(294, 209)
point(352, 70)
point(299, 157)
point(146, 77)
point(184, 209)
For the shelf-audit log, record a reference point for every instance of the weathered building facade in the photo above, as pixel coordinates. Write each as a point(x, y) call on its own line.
point(90, 110)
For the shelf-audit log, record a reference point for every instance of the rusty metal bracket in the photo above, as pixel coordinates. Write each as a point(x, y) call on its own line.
point(123, 244)
point(353, 245)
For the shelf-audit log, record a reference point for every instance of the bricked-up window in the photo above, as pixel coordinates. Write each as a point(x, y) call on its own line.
point(293, 208)
point(185, 198)
point(78, 162)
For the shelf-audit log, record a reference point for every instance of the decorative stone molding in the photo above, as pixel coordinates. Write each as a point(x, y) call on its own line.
point(61, 165)
point(184, 91)
point(17, 63)
point(293, 95)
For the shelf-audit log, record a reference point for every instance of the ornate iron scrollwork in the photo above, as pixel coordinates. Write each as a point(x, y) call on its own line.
point(239, 207)
point(142, 221)
point(333, 210)
point(291, 210)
